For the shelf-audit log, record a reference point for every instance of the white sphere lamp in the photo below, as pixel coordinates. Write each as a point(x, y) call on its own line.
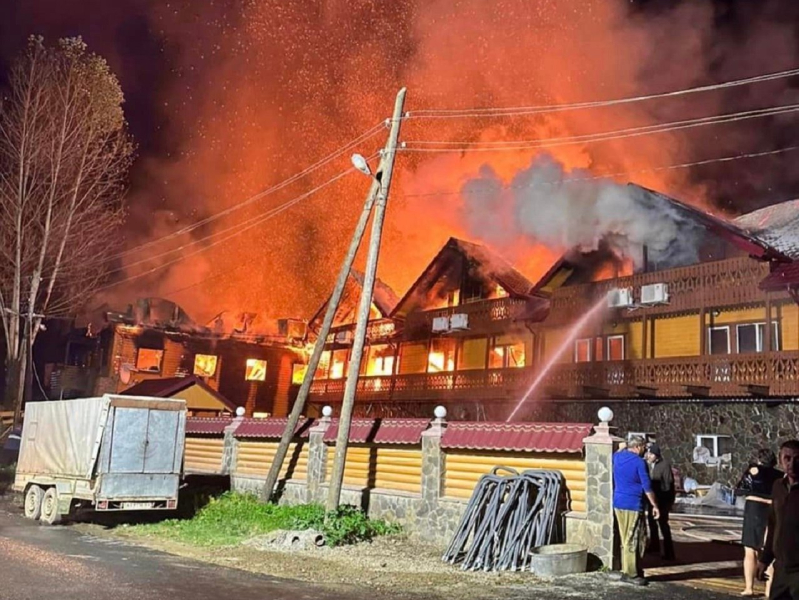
point(605, 414)
point(327, 411)
point(440, 412)
point(240, 411)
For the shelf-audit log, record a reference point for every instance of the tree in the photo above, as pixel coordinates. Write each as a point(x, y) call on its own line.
point(64, 157)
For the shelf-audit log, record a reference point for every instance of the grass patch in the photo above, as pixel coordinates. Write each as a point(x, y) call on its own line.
point(232, 518)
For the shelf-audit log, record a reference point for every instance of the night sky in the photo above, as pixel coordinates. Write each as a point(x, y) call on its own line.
point(253, 90)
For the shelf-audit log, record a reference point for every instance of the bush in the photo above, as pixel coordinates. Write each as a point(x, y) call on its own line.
point(232, 518)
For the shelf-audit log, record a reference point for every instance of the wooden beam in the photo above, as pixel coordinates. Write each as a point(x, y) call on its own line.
point(644, 335)
point(767, 335)
point(598, 392)
point(645, 391)
point(703, 333)
point(757, 390)
point(698, 391)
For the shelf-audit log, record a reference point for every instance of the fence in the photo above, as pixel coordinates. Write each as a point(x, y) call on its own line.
point(415, 471)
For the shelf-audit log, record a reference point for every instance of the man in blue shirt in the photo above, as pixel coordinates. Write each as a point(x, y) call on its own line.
point(631, 486)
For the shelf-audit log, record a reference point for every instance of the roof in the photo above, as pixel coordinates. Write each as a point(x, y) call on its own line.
point(168, 387)
point(531, 437)
point(777, 225)
point(207, 426)
point(270, 428)
point(493, 265)
point(781, 277)
point(384, 298)
point(381, 431)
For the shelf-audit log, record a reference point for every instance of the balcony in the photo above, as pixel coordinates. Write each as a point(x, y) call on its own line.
point(736, 375)
point(484, 316)
point(732, 282)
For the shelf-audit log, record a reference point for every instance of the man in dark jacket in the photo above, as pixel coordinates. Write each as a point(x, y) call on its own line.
point(662, 478)
point(782, 539)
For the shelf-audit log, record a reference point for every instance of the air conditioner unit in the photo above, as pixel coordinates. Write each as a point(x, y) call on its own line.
point(459, 322)
point(344, 337)
point(656, 293)
point(440, 324)
point(620, 297)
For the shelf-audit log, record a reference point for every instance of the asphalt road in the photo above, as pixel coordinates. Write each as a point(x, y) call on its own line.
point(38, 562)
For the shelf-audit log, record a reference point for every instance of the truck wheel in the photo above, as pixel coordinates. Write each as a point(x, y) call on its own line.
point(33, 502)
point(50, 514)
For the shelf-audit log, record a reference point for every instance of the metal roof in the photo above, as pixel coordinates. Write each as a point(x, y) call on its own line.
point(781, 277)
point(381, 431)
point(207, 426)
point(271, 428)
point(776, 225)
point(532, 437)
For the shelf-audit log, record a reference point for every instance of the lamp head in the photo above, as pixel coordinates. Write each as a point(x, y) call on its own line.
point(359, 162)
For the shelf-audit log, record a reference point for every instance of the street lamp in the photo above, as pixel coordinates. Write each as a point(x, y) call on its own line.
point(359, 162)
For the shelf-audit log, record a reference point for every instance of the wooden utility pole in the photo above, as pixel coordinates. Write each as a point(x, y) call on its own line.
point(383, 178)
point(327, 322)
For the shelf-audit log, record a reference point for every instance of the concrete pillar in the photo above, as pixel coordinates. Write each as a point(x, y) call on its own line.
point(599, 449)
point(230, 448)
point(317, 457)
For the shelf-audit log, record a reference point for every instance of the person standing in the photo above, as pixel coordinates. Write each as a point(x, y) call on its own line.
point(662, 479)
point(631, 486)
point(782, 539)
point(756, 485)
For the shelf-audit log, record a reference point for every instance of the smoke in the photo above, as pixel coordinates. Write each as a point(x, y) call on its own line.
point(232, 96)
point(570, 210)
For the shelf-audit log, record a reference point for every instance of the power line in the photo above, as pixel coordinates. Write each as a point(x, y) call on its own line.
point(368, 134)
point(525, 110)
point(603, 136)
point(615, 174)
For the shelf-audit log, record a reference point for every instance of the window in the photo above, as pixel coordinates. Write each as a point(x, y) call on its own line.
point(582, 350)
point(205, 365)
point(298, 371)
point(255, 370)
point(413, 358)
point(710, 448)
point(718, 340)
point(472, 290)
point(500, 292)
point(338, 363)
point(379, 360)
point(441, 356)
point(472, 354)
point(752, 337)
point(149, 359)
point(507, 353)
point(599, 348)
point(615, 345)
point(323, 369)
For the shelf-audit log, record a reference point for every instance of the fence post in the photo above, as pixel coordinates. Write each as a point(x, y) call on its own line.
point(599, 536)
point(230, 447)
point(433, 463)
point(317, 457)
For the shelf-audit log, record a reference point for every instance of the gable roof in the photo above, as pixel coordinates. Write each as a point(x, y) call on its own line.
point(384, 299)
point(495, 266)
point(167, 387)
point(777, 225)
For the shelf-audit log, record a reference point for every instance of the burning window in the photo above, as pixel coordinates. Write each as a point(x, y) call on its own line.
point(413, 358)
point(338, 364)
point(380, 360)
point(149, 359)
point(582, 350)
point(205, 365)
point(323, 368)
point(256, 370)
point(442, 355)
point(298, 371)
point(472, 354)
point(500, 292)
point(615, 347)
point(507, 352)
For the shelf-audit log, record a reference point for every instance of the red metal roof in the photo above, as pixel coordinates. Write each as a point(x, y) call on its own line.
point(781, 277)
point(207, 426)
point(381, 431)
point(534, 437)
point(270, 428)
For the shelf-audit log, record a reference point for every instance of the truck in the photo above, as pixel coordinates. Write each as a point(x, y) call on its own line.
point(113, 453)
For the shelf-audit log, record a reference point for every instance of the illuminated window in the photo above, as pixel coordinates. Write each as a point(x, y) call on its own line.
point(615, 347)
point(599, 348)
point(507, 352)
point(413, 358)
point(380, 360)
point(256, 370)
point(442, 356)
point(472, 354)
point(500, 292)
point(323, 368)
point(298, 371)
point(582, 350)
point(338, 364)
point(149, 359)
point(205, 365)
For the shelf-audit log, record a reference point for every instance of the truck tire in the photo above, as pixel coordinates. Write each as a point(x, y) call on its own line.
point(50, 514)
point(33, 502)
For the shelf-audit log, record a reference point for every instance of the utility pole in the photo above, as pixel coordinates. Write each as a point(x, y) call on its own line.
point(383, 178)
point(327, 322)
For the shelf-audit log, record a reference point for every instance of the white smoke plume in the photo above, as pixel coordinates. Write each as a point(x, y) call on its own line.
point(574, 211)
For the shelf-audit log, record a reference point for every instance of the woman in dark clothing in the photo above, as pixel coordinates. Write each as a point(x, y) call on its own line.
point(756, 484)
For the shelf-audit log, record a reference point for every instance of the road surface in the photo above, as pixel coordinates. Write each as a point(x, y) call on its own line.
point(39, 562)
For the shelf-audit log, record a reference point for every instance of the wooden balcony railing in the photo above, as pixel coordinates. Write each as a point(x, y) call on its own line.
point(483, 315)
point(736, 375)
point(375, 331)
point(730, 282)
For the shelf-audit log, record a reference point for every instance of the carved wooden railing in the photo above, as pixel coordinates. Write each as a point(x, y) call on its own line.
point(382, 329)
point(482, 315)
point(740, 375)
point(730, 282)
